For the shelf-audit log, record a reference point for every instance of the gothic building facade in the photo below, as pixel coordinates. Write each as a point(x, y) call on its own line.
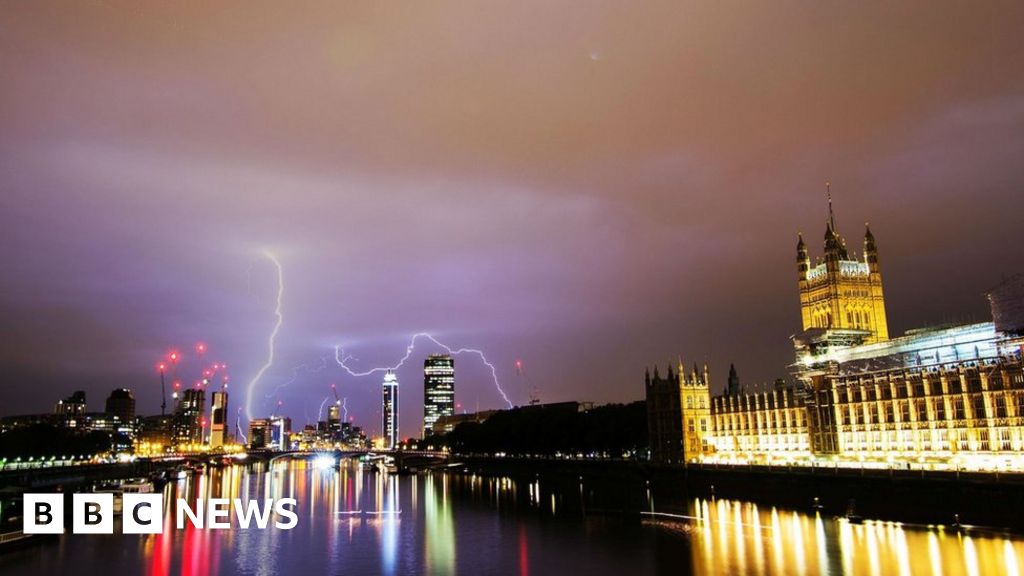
point(944, 397)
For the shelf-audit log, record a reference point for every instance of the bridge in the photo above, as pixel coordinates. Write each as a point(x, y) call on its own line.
point(86, 473)
point(405, 460)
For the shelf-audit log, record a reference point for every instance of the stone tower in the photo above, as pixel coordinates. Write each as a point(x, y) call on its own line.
point(842, 292)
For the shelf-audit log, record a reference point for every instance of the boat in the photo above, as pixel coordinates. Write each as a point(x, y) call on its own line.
point(851, 514)
point(386, 467)
point(132, 486)
point(11, 534)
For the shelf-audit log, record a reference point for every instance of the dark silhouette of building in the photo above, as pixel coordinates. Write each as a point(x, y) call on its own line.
point(71, 410)
point(121, 403)
point(664, 416)
point(734, 381)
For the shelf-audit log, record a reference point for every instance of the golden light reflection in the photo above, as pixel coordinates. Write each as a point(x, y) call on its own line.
point(730, 537)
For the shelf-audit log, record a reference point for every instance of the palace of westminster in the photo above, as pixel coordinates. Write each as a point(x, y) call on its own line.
point(947, 397)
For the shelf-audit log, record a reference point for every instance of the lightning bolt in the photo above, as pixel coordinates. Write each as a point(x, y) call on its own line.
point(238, 426)
point(344, 406)
point(341, 359)
point(320, 412)
point(271, 338)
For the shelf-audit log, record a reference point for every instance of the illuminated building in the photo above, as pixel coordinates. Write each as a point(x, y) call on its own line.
point(438, 390)
point(218, 418)
point(156, 432)
point(259, 432)
point(188, 417)
point(746, 425)
point(943, 395)
point(121, 403)
point(841, 292)
point(678, 414)
point(71, 410)
point(948, 397)
point(389, 410)
point(280, 432)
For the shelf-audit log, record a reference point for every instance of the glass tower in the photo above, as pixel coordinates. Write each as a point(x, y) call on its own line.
point(438, 390)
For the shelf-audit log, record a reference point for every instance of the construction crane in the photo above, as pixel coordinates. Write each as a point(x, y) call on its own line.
point(534, 391)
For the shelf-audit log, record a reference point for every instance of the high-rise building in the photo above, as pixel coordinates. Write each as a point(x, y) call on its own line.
point(841, 293)
point(121, 403)
point(188, 417)
point(280, 432)
point(218, 418)
point(389, 410)
point(438, 390)
point(259, 433)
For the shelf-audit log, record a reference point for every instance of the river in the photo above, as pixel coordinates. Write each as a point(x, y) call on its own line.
point(355, 520)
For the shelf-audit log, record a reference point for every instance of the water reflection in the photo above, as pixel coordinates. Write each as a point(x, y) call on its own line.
point(733, 537)
point(354, 519)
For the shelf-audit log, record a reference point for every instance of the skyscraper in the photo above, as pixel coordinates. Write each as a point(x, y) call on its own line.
point(438, 390)
point(218, 418)
point(188, 417)
point(389, 411)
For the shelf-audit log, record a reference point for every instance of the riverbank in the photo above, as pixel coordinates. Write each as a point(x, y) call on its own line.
point(922, 497)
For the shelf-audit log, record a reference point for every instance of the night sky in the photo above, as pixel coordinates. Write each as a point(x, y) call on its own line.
point(591, 187)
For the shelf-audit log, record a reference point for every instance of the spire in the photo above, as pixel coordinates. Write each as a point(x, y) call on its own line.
point(870, 249)
point(835, 248)
point(831, 216)
point(733, 386)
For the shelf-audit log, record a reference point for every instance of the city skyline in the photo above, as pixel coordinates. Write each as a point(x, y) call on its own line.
point(574, 223)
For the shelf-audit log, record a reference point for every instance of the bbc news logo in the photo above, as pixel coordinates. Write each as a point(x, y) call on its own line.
point(144, 513)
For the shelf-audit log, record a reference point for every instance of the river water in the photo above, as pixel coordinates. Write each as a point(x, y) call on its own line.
point(355, 520)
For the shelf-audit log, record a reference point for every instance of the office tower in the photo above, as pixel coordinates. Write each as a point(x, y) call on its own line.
point(188, 417)
point(438, 390)
point(218, 418)
point(389, 410)
point(259, 432)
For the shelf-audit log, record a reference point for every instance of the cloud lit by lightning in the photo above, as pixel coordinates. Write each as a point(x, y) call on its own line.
point(342, 360)
point(295, 376)
point(270, 340)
